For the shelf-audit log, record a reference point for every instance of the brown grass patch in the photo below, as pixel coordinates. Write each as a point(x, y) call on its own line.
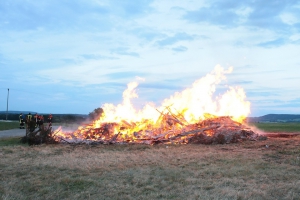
point(251, 170)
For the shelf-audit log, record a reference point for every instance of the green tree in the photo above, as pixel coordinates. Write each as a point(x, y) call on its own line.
point(96, 114)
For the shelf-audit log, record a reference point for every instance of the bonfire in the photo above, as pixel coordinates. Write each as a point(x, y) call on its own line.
point(169, 130)
point(194, 115)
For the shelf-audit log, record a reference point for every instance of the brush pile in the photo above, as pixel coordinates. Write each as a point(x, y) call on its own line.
point(171, 130)
point(36, 136)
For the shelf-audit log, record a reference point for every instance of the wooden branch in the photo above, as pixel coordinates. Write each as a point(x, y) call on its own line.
point(182, 117)
point(114, 138)
point(175, 117)
point(192, 132)
point(64, 140)
point(161, 114)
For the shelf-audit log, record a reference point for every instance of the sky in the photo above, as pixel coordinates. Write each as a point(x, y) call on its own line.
point(63, 56)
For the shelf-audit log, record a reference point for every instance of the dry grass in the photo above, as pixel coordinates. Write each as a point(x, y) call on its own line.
point(249, 170)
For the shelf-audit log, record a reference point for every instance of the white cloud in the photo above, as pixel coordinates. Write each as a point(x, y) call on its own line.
point(295, 37)
point(289, 18)
point(105, 45)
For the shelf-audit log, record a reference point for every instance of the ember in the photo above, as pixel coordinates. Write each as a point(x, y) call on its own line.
point(180, 119)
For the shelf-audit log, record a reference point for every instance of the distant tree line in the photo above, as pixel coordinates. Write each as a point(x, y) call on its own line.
point(96, 114)
point(58, 118)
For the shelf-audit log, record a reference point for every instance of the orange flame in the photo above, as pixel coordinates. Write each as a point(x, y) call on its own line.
point(192, 102)
point(190, 106)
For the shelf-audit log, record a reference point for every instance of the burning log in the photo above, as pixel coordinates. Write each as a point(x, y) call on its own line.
point(214, 130)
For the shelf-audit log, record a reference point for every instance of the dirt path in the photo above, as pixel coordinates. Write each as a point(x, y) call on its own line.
point(12, 133)
point(16, 132)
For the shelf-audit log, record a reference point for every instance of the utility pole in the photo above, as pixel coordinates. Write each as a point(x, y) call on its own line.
point(7, 103)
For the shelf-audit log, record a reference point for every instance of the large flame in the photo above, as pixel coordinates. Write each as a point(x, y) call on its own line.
point(192, 102)
point(196, 103)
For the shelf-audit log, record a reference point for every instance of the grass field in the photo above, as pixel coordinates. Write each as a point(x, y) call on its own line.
point(250, 170)
point(278, 127)
point(9, 125)
point(267, 169)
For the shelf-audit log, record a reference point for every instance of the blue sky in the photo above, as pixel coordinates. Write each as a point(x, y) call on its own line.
point(63, 56)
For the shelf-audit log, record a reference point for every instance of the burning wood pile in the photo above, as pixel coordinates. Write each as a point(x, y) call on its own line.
point(170, 129)
point(180, 119)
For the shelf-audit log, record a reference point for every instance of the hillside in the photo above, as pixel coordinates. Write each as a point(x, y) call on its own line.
point(275, 118)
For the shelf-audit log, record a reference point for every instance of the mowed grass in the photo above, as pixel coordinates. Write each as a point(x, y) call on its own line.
point(266, 169)
point(250, 170)
point(10, 141)
point(278, 127)
point(9, 125)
